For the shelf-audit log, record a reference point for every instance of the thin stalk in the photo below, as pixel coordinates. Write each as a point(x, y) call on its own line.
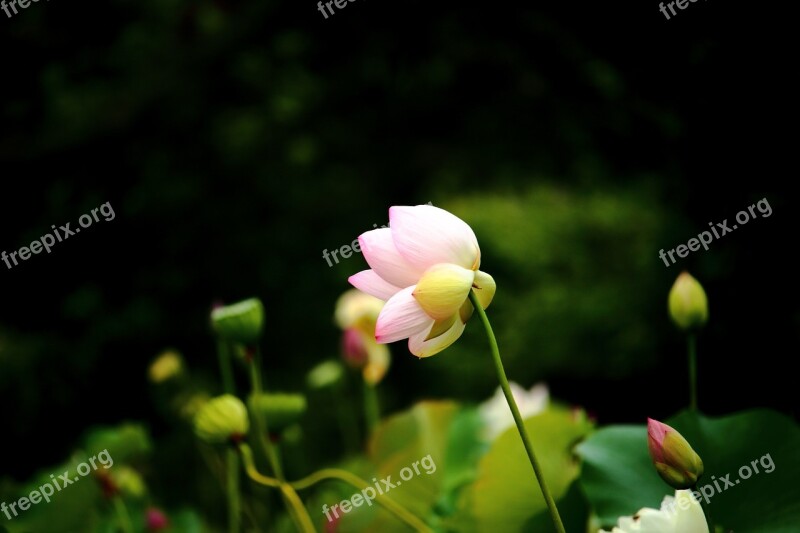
point(293, 503)
point(512, 404)
point(231, 461)
point(122, 515)
point(692, 349)
point(351, 479)
point(371, 407)
point(347, 422)
point(295, 506)
point(225, 369)
point(234, 504)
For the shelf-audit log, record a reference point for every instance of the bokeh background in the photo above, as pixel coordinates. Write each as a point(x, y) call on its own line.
point(237, 140)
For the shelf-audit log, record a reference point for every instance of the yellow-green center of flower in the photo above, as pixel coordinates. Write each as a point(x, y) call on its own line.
point(443, 289)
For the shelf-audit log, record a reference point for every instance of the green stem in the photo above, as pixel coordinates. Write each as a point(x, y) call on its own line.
point(231, 461)
point(371, 407)
point(356, 482)
point(234, 504)
point(347, 422)
point(692, 342)
point(290, 497)
point(122, 515)
point(262, 428)
point(295, 505)
point(225, 369)
point(501, 376)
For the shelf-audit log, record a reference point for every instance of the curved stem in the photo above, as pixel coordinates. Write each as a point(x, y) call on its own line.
point(122, 515)
point(371, 407)
point(293, 502)
point(353, 480)
point(512, 404)
point(692, 348)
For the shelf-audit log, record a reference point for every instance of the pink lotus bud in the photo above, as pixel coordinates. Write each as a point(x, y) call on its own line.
point(156, 520)
point(675, 460)
point(354, 350)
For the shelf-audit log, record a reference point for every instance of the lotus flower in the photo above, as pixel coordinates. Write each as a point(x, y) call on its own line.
point(681, 514)
point(356, 314)
point(497, 416)
point(423, 266)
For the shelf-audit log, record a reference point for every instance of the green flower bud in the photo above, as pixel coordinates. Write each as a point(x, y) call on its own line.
point(280, 410)
point(688, 305)
point(241, 322)
point(675, 460)
point(128, 481)
point(165, 367)
point(325, 374)
point(222, 419)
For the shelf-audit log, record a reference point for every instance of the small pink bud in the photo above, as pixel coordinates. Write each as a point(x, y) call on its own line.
point(675, 460)
point(354, 351)
point(156, 520)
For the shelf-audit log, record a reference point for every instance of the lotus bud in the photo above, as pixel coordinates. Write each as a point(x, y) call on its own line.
point(222, 419)
point(688, 305)
point(241, 322)
point(279, 409)
point(675, 460)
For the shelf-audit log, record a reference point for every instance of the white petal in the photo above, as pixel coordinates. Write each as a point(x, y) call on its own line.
point(426, 235)
point(382, 255)
point(401, 318)
point(371, 283)
point(689, 516)
point(422, 348)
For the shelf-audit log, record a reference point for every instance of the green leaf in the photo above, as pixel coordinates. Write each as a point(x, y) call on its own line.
point(617, 473)
point(619, 478)
point(505, 496)
point(730, 446)
point(122, 442)
point(435, 445)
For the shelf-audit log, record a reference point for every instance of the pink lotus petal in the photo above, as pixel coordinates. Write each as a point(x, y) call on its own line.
point(382, 256)
point(401, 317)
point(370, 282)
point(422, 348)
point(426, 235)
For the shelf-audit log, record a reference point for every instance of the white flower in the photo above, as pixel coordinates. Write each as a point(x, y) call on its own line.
point(497, 415)
point(681, 514)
